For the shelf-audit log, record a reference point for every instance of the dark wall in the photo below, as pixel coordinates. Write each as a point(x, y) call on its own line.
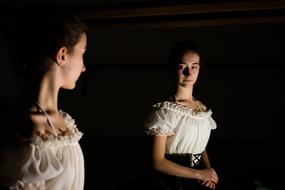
point(241, 81)
point(241, 77)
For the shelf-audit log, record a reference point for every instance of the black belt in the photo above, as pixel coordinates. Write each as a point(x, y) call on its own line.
point(189, 160)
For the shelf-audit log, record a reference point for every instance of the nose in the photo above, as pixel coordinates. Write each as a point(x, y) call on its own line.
point(186, 71)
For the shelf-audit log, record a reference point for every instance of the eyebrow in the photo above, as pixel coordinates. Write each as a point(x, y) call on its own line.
point(196, 63)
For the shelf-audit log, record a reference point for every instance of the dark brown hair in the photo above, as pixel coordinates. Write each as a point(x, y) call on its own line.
point(41, 31)
point(178, 50)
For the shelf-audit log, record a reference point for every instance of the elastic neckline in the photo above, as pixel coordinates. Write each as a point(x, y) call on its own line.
point(181, 109)
point(176, 101)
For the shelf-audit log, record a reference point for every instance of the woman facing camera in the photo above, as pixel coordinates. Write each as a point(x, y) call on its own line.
point(181, 127)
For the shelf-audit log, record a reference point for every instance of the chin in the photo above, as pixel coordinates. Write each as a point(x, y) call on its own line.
point(187, 84)
point(69, 87)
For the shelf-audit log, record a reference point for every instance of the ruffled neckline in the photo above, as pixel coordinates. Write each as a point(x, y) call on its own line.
point(61, 140)
point(182, 109)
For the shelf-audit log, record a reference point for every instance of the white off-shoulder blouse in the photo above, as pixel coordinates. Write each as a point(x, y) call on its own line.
point(187, 131)
point(53, 164)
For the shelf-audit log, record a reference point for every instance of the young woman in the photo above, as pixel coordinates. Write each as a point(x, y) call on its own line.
point(43, 152)
point(181, 126)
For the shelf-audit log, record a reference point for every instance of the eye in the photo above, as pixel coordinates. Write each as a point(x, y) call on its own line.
point(181, 66)
point(194, 66)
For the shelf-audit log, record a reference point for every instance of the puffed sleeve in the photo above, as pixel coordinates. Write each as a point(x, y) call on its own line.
point(212, 123)
point(160, 122)
point(41, 164)
point(29, 165)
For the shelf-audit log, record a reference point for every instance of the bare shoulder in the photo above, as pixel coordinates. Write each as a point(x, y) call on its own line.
point(39, 126)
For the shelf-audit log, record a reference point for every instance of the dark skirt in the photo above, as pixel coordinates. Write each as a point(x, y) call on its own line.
point(161, 181)
point(154, 180)
point(167, 182)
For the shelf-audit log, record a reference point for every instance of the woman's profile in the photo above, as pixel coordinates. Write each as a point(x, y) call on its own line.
point(42, 150)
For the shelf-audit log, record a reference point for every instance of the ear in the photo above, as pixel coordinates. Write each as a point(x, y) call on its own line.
point(61, 57)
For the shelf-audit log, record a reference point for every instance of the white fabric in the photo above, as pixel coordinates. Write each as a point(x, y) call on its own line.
point(187, 131)
point(53, 164)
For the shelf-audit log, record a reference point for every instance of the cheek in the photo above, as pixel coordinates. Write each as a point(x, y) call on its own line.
point(77, 68)
point(77, 62)
point(73, 69)
point(180, 73)
point(195, 72)
point(80, 61)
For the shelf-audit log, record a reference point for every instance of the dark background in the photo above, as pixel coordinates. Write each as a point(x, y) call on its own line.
point(242, 81)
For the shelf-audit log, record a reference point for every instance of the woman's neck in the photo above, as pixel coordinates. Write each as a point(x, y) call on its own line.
point(47, 94)
point(183, 93)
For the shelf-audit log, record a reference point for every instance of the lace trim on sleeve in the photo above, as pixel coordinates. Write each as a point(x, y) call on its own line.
point(159, 132)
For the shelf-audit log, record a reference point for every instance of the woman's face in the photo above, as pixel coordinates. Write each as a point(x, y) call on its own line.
point(188, 69)
point(75, 64)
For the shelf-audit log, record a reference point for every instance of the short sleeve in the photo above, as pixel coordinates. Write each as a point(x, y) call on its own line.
point(40, 165)
point(160, 122)
point(212, 122)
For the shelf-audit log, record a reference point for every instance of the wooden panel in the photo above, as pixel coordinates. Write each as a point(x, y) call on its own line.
point(183, 15)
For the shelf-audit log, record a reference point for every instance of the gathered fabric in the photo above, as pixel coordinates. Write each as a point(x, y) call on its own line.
point(54, 163)
point(188, 131)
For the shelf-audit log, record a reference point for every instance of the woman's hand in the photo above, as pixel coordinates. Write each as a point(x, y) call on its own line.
point(209, 184)
point(208, 177)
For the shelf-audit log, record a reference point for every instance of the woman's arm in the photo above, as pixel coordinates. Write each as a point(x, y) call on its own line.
point(166, 166)
point(205, 159)
point(206, 162)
